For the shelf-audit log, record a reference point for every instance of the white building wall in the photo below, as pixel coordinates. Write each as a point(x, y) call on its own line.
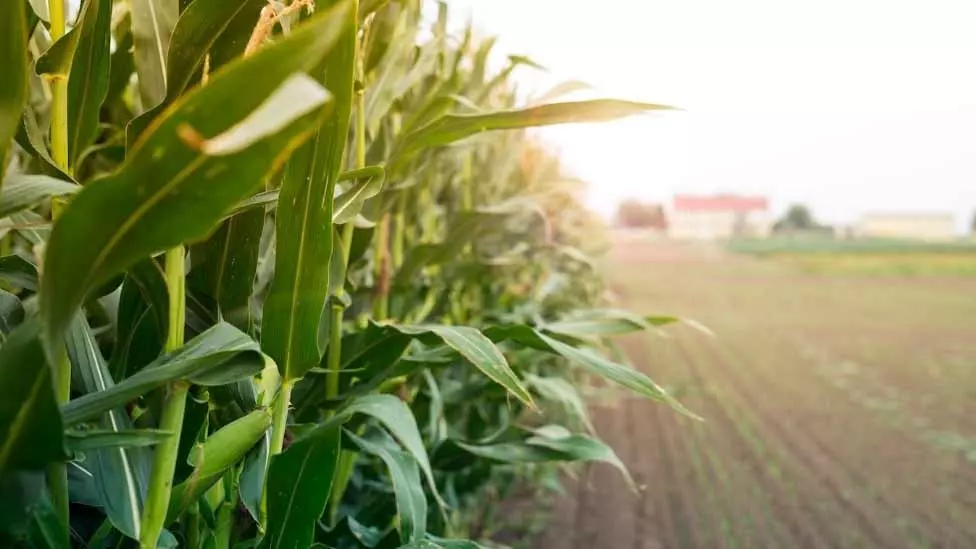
point(715, 225)
point(916, 227)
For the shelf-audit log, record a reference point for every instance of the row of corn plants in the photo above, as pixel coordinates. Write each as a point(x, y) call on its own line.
point(274, 276)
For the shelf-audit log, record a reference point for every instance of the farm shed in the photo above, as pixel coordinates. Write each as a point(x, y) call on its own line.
point(914, 226)
point(717, 217)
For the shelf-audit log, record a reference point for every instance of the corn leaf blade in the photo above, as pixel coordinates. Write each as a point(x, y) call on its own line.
point(23, 191)
point(128, 215)
point(13, 59)
point(102, 439)
point(481, 352)
point(588, 360)
point(89, 76)
point(153, 22)
point(31, 139)
point(30, 426)
point(200, 25)
point(120, 474)
point(578, 448)
point(11, 314)
point(300, 286)
point(407, 489)
point(453, 127)
point(606, 322)
point(27, 516)
point(299, 483)
point(396, 417)
point(222, 354)
point(224, 266)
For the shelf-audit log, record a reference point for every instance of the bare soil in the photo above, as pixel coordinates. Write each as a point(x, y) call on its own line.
point(838, 411)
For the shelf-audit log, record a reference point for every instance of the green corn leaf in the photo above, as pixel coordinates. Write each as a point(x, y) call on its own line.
point(626, 376)
point(198, 28)
point(552, 443)
point(101, 439)
point(30, 138)
point(141, 319)
point(559, 390)
point(396, 73)
point(168, 192)
point(224, 265)
point(407, 489)
point(27, 516)
point(115, 455)
point(153, 22)
point(348, 204)
point(578, 448)
point(297, 96)
point(30, 426)
point(300, 286)
point(255, 470)
point(270, 198)
point(259, 200)
point(588, 360)
point(453, 127)
point(231, 43)
point(56, 60)
point(348, 527)
point(19, 270)
point(455, 543)
point(211, 459)
point(299, 483)
point(456, 454)
point(13, 86)
point(81, 486)
point(370, 352)
point(11, 314)
point(23, 191)
point(606, 322)
point(89, 76)
point(480, 352)
point(376, 347)
point(39, 8)
point(462, 229)
point(398, 420)
point(121, 63)
point(222, 354)
point(375, 352)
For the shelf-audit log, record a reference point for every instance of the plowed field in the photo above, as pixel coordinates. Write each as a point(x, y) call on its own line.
point(840, 411)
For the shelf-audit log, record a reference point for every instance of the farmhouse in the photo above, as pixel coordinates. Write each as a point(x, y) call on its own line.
point(716, 217)
point(913, 226)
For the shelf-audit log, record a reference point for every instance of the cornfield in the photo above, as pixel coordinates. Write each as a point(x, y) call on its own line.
point(274, 276)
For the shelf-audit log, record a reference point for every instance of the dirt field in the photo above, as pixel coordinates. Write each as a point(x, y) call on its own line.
point(838, 411)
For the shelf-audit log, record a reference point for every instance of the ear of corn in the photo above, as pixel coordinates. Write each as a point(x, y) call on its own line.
point(305, 263)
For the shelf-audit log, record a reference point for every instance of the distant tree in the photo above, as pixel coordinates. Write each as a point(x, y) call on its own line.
point(797, 218)
point(636, 214)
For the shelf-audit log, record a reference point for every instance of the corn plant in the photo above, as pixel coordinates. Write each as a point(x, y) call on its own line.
point(283, 275)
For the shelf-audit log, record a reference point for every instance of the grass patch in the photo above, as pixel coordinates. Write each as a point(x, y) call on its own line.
point(868, 257)
point(883, 264)
point(779, 245)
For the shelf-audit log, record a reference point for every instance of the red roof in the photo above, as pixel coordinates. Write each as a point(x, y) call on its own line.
point(720, 202)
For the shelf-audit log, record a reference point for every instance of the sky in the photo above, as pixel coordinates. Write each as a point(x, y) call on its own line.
point(847, 106)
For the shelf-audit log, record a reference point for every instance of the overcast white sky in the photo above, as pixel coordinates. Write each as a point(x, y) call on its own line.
point(847, 105)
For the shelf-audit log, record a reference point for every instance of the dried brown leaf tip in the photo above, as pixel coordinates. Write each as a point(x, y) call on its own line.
point(271, 14)
point(190, 137)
